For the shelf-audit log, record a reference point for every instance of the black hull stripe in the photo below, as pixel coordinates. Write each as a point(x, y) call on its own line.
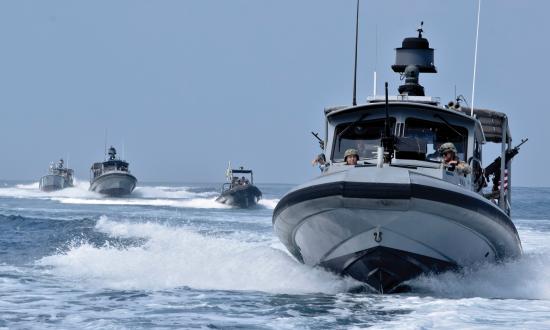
point(243, 191)
point(487, 209)
point(394, 191)
point(344, 189)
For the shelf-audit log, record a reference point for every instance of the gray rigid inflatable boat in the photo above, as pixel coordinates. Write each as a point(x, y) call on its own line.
point(384, 226)
point(112, 177)
point(58, 177)
point(114, 184)
point(400, 211)
point(240, 196)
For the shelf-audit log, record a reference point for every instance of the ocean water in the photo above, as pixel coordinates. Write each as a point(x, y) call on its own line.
point(171, 257)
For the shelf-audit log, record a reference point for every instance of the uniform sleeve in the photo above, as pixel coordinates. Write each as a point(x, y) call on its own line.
point(464, 168)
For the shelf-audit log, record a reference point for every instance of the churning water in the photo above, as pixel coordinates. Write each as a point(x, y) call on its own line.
point(171, 257)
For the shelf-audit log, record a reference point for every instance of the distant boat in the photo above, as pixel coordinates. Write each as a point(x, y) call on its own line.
point(58, 177)
point(239, 192)
point(112, 176)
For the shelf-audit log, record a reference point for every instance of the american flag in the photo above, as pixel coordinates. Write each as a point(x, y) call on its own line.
point(505, 180)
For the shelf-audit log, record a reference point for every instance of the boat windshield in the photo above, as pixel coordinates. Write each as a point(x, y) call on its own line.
point(363, 136)
point(239, 179)
point(434, 134)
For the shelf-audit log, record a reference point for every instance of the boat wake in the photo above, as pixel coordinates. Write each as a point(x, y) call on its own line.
point(268, 203)
point(182, 197)
point(200, 203)
point(170, 192)
point(32, 190)
point(179, 257)
point(524, 278)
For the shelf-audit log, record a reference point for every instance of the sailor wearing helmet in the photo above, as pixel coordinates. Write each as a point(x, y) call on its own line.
point(351, 156)
point(321, 161)
point(450, 160)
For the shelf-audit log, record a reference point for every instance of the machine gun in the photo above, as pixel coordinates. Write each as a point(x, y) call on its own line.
point(494, 168)
point(321, 142)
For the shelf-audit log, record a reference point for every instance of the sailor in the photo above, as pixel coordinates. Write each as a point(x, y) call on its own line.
point(450, 160)
point(320, 160)
point(351, 157)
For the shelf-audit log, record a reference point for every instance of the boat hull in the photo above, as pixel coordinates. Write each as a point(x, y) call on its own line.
point(114, 184)
point(241, 196)
point(385, 233)
point(53, 182)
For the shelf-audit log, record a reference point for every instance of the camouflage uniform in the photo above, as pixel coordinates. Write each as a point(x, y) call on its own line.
point(461, 167)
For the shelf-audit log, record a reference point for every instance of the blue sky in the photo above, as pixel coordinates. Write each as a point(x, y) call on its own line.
point(188, 85)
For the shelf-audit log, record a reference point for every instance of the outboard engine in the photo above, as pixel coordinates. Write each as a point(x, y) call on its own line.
point(414, 57)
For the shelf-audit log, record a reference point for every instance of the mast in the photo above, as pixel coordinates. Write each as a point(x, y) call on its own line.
point(105, 146)
point(475, 58)
point(375, 64)
point(354, 102)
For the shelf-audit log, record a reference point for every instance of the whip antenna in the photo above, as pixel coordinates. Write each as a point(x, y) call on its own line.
point(375, 63)
point(475, 58)
point(355, 66)
point(105, 146)
point(387, 120)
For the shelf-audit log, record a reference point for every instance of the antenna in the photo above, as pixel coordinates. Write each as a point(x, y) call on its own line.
point(475, 58)
point(387, 139)
point(455, 91)
point(387, 121)
point(375, 63)
point(355, 66)
point(105, 146)
point(420, 29)
point(123, 150)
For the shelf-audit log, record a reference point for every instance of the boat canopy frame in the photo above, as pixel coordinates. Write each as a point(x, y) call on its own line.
point(494, 126)
point(493, 123)
point(496, 129)
point(231, 171)
point(241, 171)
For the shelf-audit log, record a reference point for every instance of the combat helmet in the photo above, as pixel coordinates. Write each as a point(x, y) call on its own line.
point(445, 147)
point(351, 152)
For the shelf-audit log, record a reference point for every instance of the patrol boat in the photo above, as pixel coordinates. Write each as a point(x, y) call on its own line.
point(112, 176)
point(240, 192)
point(58, 177)
point(399, 212)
